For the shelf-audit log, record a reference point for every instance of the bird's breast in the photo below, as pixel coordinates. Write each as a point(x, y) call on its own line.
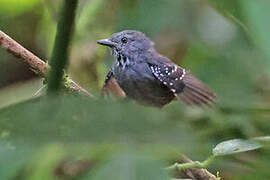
point(139, 83)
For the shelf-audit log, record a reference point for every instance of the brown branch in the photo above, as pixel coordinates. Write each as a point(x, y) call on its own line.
point(197, 173)
point(39, 66)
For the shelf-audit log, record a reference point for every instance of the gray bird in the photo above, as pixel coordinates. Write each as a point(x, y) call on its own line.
point(142, 74)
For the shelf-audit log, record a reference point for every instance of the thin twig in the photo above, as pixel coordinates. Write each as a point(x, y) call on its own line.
point(19, 51)
point(36, 64)
point(39, 90)
point(194, 170)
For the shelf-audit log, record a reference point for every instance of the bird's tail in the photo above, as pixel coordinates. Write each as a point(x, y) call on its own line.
point(196, 92)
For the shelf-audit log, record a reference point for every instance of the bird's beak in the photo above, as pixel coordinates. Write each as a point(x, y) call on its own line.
point(106, 42)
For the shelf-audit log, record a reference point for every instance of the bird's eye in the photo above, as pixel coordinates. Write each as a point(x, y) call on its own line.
point(124, 40)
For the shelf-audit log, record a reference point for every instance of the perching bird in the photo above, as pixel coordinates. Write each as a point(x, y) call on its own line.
point(142, 74)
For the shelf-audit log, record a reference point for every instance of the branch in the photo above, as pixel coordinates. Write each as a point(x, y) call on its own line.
point(36, 64)
point(194, 170)
point(63, 37)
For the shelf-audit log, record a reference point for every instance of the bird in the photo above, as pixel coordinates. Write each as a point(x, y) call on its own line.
point(142, 74)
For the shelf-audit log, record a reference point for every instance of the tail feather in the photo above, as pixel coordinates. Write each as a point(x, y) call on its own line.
point(185, 100)
point(201, 98)
point(193, 97)
point(196, 92)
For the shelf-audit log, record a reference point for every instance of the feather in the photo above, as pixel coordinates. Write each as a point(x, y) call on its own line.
point(183, 84)
point(196, 91)
point(112, 88)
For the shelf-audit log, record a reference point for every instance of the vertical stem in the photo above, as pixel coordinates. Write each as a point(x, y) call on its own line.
point(63, 37)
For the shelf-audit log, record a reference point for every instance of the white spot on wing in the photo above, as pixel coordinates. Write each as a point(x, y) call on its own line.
point(183, 75)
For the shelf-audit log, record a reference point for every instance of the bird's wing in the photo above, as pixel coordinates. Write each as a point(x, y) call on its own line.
point(182, 83)
point(111, 87)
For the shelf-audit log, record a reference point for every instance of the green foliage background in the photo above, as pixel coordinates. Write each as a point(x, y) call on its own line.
point(226, 43)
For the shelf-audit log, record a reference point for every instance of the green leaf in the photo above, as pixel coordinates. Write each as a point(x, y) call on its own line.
point(13, 158)
point(235, 146)
point(79, 119)
point(45, 161)
point(15, 7)
point(131, 167)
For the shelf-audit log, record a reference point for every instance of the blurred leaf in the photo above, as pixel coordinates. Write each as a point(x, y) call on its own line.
point(16, 7)
point(257, 14)
point(77, 119)
point(131, 167)
point(45, 162)
point(262, 139)
point(265, 140)
point(19, 92)
point(235, 146)
point(13, 158)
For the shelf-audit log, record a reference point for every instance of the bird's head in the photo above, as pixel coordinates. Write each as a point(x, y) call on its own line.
point(128, 43)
